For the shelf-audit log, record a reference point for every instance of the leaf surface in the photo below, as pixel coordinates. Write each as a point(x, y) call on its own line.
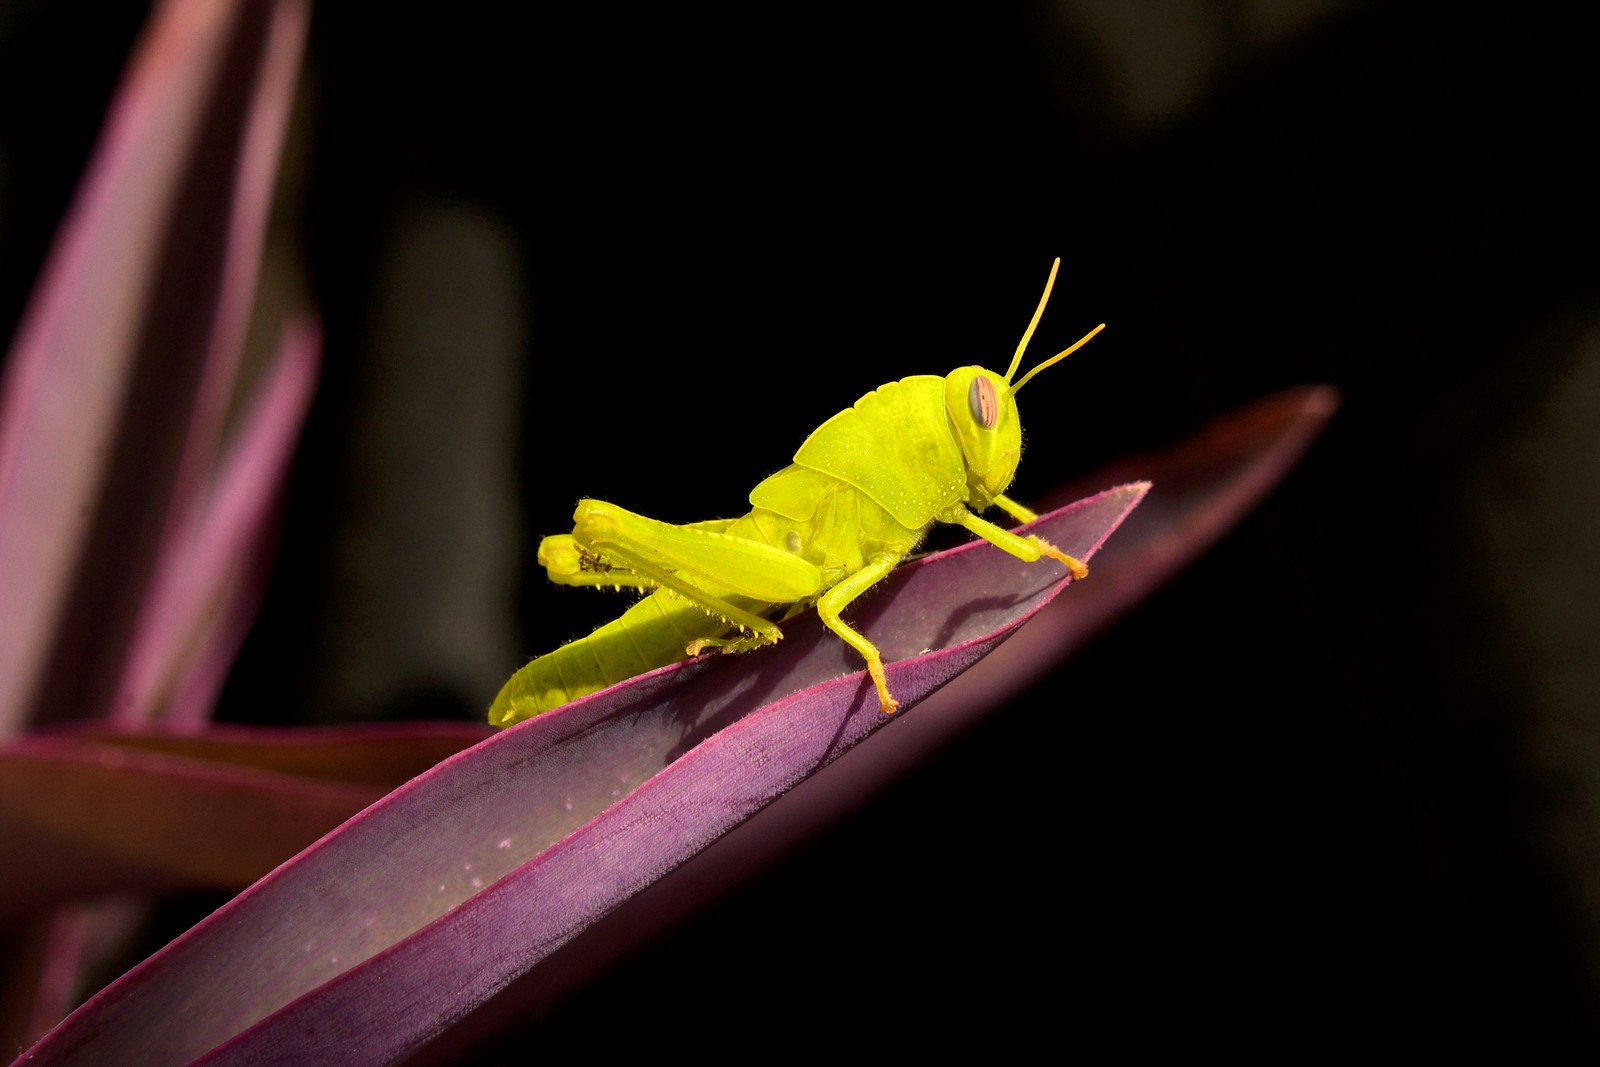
point(468, 878)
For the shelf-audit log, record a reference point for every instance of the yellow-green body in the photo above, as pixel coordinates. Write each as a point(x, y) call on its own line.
point(862, 491)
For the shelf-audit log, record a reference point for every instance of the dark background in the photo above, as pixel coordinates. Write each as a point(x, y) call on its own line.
point(1352, 792)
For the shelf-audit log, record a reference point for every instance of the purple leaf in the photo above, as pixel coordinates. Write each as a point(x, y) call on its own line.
point(467, 879)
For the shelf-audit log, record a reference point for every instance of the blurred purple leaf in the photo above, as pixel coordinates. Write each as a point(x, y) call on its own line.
point(384, 756)
point(127, 356)
point(210, 579)
point(429, 903)
point(93, 811)
point(120, 820)
point(1205, 485)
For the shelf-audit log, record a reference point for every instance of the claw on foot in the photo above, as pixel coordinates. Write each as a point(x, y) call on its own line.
point(1072, 563)
point(886, 702)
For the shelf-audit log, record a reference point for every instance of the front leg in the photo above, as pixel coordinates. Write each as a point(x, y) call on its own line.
point(1026, 548)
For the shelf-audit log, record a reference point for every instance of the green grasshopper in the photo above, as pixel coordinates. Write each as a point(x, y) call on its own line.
point(861, 493)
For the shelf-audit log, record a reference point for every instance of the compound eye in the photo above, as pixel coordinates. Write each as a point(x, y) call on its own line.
point(983, 401)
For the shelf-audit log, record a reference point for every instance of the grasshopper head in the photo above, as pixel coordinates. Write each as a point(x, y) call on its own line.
point(982, 409)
